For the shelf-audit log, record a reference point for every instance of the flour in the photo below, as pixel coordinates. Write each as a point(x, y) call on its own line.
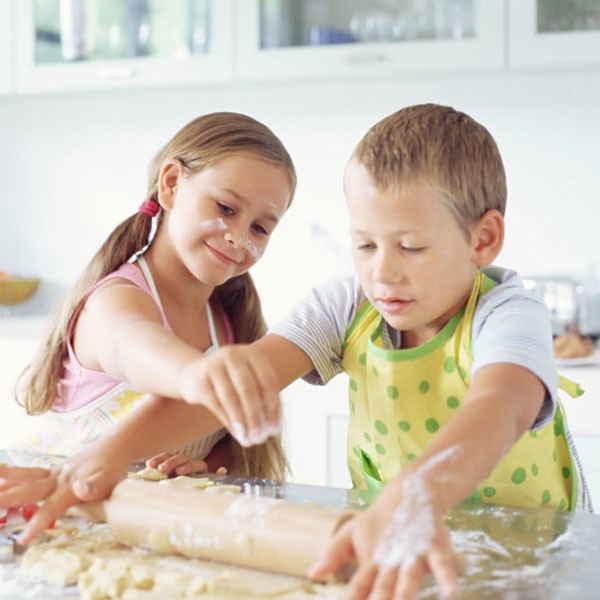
point(411, 532)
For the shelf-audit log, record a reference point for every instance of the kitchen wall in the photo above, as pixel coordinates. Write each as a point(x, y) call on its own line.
point(72, 166)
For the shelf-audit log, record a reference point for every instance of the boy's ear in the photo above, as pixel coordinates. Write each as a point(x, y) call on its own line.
point(488, 237)
point(168, 179)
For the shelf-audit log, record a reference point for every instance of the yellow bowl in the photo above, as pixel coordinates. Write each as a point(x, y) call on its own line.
point(14, 290)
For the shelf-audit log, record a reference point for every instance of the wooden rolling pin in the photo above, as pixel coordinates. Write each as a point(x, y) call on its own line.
point(263, 533)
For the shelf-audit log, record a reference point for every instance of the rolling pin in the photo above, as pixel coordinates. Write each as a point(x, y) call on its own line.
point(262, 533)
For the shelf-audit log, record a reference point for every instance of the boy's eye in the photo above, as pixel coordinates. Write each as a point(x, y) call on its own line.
point(365, 246)
point(226, 210)
point(260, 229)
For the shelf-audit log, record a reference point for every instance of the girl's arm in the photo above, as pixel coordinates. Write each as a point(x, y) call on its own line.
point(120, 331)
point(393, 555)
point(157, 425)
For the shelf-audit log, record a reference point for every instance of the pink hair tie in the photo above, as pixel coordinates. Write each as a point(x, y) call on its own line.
point(149, 207)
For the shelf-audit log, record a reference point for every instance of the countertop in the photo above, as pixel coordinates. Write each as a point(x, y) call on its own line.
point(507, 552)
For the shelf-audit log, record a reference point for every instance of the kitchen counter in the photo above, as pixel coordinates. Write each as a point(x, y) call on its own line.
point(507, 552)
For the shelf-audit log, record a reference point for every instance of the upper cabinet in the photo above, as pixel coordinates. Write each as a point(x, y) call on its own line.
point(53, 45)
point(554, 32)
point(87, 44)
point(6, 39)
point(290, 39)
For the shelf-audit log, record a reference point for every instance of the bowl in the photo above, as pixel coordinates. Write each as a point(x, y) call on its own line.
point(14, 290)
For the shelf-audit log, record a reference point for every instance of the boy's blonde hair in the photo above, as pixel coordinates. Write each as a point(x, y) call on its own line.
point(200, 144)
point(446, 148)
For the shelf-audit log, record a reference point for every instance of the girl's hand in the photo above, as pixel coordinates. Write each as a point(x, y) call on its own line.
point(180, 464)
point(90, 475)
point(240, 387)
point(394, 550)
point(28, 485)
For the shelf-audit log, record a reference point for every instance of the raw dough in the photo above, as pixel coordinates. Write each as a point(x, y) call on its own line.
point(149, 474)
point(224, 489)
point(104, 568)
point(184, 481)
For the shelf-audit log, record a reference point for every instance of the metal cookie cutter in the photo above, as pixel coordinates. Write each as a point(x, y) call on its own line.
point(9, 548)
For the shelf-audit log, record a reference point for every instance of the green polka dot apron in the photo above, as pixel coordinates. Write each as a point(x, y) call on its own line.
point(399, 399)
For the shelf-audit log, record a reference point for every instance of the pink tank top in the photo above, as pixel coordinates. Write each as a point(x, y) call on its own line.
point(80, 386)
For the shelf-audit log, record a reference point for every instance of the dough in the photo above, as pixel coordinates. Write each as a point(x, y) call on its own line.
point(184, 481)
point(149, 474)
point(224, 489)
point(104, 568)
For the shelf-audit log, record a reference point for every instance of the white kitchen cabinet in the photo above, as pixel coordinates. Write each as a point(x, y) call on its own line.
point(314, 431)
point(6, 50)
point(91, 44)
point(296, 39)
point(553, 33)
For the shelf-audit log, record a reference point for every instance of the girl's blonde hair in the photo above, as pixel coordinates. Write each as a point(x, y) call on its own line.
point(200, 144)
point(445, 148)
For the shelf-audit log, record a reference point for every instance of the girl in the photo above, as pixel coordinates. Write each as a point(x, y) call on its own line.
point(169, 285)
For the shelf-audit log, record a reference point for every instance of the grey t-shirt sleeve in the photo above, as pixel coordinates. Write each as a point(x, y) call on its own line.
point(511, 325)
point(318, 326)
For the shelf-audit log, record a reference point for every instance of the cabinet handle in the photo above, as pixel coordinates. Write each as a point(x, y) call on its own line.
point(361, 59)
point(115, 73)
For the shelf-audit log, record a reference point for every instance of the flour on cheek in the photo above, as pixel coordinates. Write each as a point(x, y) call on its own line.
point(218, 225)
point(412, 529)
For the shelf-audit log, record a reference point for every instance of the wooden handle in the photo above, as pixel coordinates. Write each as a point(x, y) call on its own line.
point(263, 533)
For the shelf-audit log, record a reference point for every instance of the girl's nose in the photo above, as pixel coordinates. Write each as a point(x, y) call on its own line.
point(237, 239)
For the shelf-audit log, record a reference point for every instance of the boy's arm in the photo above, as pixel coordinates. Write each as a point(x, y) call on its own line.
point(502, 403)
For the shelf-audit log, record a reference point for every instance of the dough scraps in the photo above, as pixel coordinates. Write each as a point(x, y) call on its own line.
point(89, 556)
point(184, 481)
point(149, 474)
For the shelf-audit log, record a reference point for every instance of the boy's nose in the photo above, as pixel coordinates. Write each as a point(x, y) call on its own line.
point(386, 267)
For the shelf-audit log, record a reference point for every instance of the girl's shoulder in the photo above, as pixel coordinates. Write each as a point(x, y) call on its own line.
point(129, 271)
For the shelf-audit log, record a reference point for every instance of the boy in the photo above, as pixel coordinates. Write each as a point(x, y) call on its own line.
point(452, 379)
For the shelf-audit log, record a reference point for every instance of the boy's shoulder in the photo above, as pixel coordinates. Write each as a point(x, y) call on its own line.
point(506, 291)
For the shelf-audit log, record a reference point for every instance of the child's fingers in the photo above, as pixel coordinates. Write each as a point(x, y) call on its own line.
point(154, 461)
point(19, 493)
point(361, 584)
point(190, 467)
point(443, 566)
point(258, 398)
point(385, 583)
point(338, 552)
point(53, 508)
point(22, 474)
point(410, 580)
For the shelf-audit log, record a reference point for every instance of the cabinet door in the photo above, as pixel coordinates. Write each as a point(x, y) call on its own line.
point(6, 50)
point(294, 39)
point(90, 44)
point(554, 32)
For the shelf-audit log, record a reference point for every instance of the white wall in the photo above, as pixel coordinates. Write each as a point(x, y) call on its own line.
point(71, 166)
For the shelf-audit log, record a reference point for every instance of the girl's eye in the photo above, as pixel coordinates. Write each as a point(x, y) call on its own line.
point(226, 210)
point(412, 249)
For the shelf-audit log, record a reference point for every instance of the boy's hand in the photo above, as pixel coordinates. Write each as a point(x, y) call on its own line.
point(240, 387)
point(385, 571)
